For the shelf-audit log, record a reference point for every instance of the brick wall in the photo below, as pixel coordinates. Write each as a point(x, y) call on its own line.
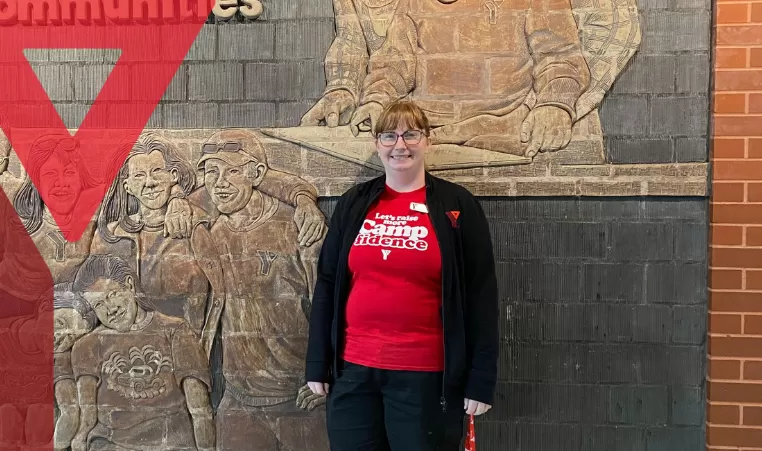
point(735, 331)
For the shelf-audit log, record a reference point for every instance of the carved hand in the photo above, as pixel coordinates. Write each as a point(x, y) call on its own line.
point(334, 108)
point(365, 113)
point(178, 221)
point(546, 128)
point(309, 220)
point(309, 400)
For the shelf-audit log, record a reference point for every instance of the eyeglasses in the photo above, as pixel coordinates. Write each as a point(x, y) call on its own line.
point(63, 143)
point(227, 146)
point(411, 137)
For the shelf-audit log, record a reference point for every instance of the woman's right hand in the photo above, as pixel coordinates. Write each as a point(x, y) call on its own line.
point(319, 388)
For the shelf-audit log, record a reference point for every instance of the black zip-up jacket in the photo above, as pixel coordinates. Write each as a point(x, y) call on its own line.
point(470, 311)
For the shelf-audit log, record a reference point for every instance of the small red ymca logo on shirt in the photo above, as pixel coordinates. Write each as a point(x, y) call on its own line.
point(453, 215)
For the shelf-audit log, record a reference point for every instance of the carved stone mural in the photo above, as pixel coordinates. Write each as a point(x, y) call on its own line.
point(191, 243)
point(511, 79)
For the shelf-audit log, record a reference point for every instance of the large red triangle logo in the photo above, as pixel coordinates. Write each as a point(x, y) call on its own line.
point(151, 54)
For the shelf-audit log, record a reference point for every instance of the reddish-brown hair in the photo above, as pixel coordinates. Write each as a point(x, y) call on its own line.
point(405, 113)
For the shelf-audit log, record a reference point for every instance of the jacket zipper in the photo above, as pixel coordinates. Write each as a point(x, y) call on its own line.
point(442, 398)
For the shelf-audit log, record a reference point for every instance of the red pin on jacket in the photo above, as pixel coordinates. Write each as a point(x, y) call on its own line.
point(471, 435)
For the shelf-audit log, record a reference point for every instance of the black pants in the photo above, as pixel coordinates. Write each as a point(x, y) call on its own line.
point(380, 410)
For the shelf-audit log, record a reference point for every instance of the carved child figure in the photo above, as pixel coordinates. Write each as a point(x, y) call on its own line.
point(72, 319)
point(142, 377)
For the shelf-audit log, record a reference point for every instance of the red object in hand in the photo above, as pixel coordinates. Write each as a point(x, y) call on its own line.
point(471, 435)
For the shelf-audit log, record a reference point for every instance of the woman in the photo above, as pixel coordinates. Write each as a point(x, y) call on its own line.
point(404, 322)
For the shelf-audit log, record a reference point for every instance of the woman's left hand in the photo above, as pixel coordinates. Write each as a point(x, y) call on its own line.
point(475, 407)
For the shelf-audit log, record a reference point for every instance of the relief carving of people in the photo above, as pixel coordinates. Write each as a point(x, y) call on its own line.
point(360, 31)
point(173, 275)
point(527, 52)
point(269, 278)
point(143, 380)
point(61, 172)
point(511, 77)
point(116, 375)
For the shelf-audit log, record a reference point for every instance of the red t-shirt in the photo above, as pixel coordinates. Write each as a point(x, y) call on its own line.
point(393, 311)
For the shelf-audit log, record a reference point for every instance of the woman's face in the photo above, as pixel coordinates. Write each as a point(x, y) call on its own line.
point(61, 184)
point(149, 181)
point(403, 149)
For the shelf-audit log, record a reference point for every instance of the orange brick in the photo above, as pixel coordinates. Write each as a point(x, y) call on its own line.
point(754, 236)
point(754, 61)
point(739, 35)
point(729, 103)
point(753, 279)
point(735, 301)
point(752, 416)
point(732, 257)
point(726, 279)
point(732, 392)
point(755, 148)
point(725, 235)
point(752, 371)
point(738, 170)
point(721, 323)
point(752, 325)
point(724, 369)
point(736, 214)
point(733, 437)
point(728, 148)
point(729, 58)
point(723, 414)
point(733, 13)
point(755, 103)
point(754, 192)
point(740, 347)
point(728, 192)
point(756, 12)
point(738, 125)
point(738, 80)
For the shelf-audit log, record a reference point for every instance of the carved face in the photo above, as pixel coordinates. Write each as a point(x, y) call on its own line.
point(149, 181)
point(68, 327)
point(229, 186)
point(61, 184)
point(406, 154)
point(115, 305)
